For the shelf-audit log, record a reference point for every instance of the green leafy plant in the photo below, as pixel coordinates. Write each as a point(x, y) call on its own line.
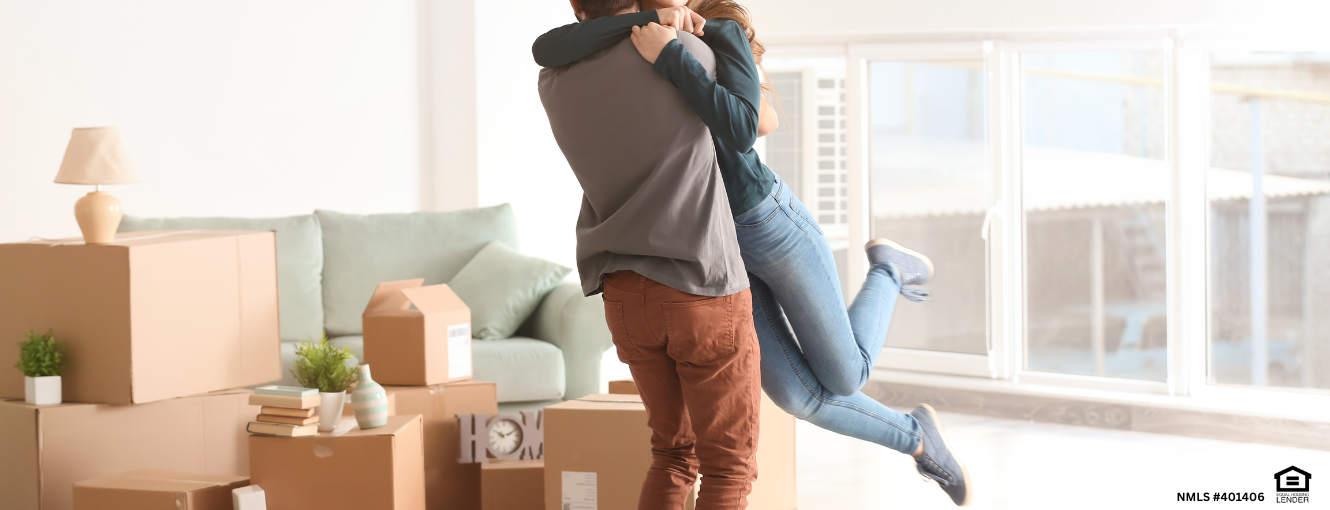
point(41, 355)
point(320, 365)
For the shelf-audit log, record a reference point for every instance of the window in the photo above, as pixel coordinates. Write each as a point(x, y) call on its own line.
point(1269, 191)
point(1095, 188)
point(808, 151)
point(1074, 153)
point(930, 187)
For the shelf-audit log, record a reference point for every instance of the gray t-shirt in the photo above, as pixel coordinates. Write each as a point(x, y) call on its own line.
point(652, 196)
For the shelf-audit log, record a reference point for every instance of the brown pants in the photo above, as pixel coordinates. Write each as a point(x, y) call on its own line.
point(696, 362)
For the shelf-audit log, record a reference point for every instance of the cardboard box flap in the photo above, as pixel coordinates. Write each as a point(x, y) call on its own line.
point(146, 238)
point(159, 480)
point(386, 297)
point(434, 299)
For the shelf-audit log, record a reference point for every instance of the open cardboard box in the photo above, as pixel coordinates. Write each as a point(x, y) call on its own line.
point(155, 315)
point(44, 450)
point(417, 336)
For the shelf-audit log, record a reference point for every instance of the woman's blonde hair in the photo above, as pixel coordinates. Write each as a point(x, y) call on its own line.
point(731, 10)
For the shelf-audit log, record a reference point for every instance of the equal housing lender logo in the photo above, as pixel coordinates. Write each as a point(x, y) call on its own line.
point(1293, 485)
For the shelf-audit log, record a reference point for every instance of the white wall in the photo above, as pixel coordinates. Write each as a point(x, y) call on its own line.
point(519, 161)
point(236, 108)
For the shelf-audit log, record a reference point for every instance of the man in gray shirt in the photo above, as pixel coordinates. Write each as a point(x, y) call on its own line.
point(653, 200)
point(656, 235)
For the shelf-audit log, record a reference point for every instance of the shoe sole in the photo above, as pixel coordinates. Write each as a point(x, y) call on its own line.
point(896, 246)
point(942, 432)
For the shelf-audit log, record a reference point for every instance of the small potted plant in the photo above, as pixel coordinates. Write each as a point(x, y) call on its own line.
point(323, 366)
point(42, 360)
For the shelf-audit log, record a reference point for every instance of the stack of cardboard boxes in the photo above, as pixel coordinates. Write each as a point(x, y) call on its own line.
point(418, 340)
point(159, 329)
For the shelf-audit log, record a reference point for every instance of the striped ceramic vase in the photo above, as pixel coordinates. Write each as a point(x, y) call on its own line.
point(370, 401)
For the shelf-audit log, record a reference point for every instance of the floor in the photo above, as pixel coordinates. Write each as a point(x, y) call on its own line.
point(1026, 465)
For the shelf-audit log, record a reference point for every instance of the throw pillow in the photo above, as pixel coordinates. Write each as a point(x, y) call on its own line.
point(502, 287)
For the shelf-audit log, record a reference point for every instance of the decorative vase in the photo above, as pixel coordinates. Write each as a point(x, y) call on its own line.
point(330, 409)
point(369, 401)
point(42, 390)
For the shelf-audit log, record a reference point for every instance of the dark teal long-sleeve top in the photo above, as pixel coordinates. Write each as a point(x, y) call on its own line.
point(728, 104)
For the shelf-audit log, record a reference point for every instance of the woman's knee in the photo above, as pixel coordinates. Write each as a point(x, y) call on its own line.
point(846, 384)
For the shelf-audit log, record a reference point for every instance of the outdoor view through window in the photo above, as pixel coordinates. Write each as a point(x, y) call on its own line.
point(1095, 189)
point(930, 192)
point(1270, 117)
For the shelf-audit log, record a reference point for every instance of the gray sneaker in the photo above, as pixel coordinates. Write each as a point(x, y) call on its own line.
point(914, 268)
point(937, 463)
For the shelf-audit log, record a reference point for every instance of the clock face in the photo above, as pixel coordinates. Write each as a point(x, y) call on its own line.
point(505, 436)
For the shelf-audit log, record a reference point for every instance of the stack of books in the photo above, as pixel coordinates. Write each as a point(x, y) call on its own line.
point(287, 411)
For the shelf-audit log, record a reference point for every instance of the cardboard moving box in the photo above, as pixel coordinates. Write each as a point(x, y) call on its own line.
point(597, 451)
point(157, 490)
point(775, 488)
point(420, 346)
point(448, 483)
point(155, 315)
point(381, 468)
point(512, 485)
point(623, 387)
point(45, 449)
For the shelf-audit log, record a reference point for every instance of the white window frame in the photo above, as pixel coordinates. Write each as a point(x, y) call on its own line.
point(1187, 210)
point(1015, 96)
point(859, 146)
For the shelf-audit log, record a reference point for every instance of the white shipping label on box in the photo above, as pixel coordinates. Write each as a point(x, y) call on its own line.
point(579, 490)
point(459, 350)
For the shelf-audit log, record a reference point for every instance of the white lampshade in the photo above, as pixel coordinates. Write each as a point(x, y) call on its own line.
point(97, 156)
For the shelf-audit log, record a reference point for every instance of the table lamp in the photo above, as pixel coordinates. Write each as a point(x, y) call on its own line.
point(96, 156)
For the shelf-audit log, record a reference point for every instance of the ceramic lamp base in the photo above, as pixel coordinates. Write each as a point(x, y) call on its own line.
point(98, 214)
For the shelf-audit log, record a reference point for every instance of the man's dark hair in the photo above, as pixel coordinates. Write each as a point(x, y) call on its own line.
point(602, 8)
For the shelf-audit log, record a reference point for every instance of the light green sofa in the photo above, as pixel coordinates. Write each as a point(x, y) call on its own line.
point(329, 262)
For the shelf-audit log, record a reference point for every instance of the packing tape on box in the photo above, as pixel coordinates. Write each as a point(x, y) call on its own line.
point(55, 242)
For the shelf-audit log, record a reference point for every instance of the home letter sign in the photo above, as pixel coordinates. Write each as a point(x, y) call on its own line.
point(474, 431)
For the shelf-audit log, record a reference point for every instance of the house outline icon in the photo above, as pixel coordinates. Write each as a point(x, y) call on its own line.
point(1292, 479)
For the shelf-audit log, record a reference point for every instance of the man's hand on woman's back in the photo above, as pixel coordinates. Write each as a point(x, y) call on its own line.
point(681, 18)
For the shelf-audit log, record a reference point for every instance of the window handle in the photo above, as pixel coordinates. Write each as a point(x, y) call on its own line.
point(996, 210)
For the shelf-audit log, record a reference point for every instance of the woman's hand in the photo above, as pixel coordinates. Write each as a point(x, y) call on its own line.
point(651, 39)
point(681, 18)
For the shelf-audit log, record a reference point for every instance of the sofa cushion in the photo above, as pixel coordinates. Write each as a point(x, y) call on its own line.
point(522, 368)
point(362, 251)
point(299, 263)
point(502, 287)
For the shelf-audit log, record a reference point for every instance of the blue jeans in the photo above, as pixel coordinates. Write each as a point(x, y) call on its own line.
point(817, 377)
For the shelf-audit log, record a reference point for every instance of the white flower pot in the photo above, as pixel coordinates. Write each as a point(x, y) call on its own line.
point(330, 410)
point(42, 390)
